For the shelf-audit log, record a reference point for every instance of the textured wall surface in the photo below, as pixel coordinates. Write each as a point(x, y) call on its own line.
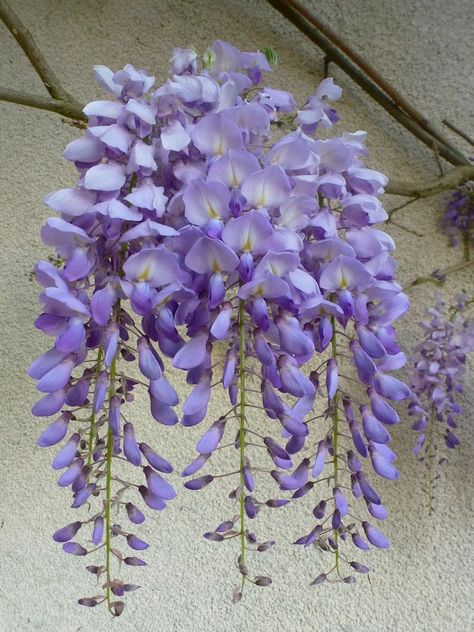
point(425, 581)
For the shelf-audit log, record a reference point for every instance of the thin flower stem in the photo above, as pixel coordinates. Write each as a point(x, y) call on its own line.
point(108, 485)
point(92, 417)
point(242, 349)
point(335, 433)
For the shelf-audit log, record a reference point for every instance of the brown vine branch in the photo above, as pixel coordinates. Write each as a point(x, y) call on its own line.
point(459, 132)
point(438, 276)
point(457, 176)
point(61, 101)
point(306, 23)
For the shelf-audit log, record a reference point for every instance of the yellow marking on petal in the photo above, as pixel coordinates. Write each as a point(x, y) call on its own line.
point(215, 266)
point(146, 274)
point(211, 211)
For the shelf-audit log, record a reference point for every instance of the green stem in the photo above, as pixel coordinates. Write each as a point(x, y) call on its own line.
point(108, 484)
point(335, 435)
point(242, 349)
point(92, 417)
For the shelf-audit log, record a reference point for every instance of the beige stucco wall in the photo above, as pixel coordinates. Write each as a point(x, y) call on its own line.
point(425, 581)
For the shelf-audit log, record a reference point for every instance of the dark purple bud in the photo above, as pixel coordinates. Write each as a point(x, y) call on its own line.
point(370, 343)
point(67, 532)
point(74, 548)
point(377, 511)
point(216, 290)
point(263, 349)
point(50, 404)
point(259, 313)
point(359, 542)
point(320, 459)
point(55, 432)
point(275, 449)
point(382, 466)
point(111, 337)
point(451, 440)
point(158, 485)
point(117, 607)
point(246, 266)
point(163, 391)
point(373, 429)
point(340, 501)
point(134, 561)
point(134, 514)
point(250, 507)
point(302, 491)
point(69, 476)
point(261, 580)
point(155, 460)
point(83, 495)
point(319, 580)
point(89, 602)
point(212, 536)
point(336, 521)
point(364, 364)
point(100, 391)
point(375, 537)
point(390, 387)
point(114, 415)
point(199, 483)
point(382, 409)
point(211, 439)
point(275, 503)
point(77, 394)
point(196, 465)
point(332, 378)
point(265, 546)
point(229, 369)
point(249, 480)
point(320, 510)
point(98, 531)
point(148, 360)
point(349, 579)
point(369, 493)
point(357, 439)
point(130, 446)
point(136, 543)
point(359, 568)
point(151, 500)
point(162, 413)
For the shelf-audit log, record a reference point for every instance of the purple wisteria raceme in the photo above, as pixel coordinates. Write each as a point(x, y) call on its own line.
point(435, 373)
point(109, 240)
point(255, 265)
point(457, 221)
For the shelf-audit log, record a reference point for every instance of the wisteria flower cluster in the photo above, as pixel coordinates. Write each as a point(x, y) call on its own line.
point(457, 221)
point(252, 261)
point(435, 374)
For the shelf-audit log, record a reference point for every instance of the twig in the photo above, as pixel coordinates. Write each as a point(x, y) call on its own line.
point(61, 101)
point(426, 188)
point(438, 276)
point(458, 131)
point(299, 17)
point(399, 208)
point(405, 228)
point(70, 110)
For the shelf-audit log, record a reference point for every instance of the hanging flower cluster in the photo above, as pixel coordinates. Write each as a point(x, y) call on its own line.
point(457, 221)
point(435, 372)
point(192, 234)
